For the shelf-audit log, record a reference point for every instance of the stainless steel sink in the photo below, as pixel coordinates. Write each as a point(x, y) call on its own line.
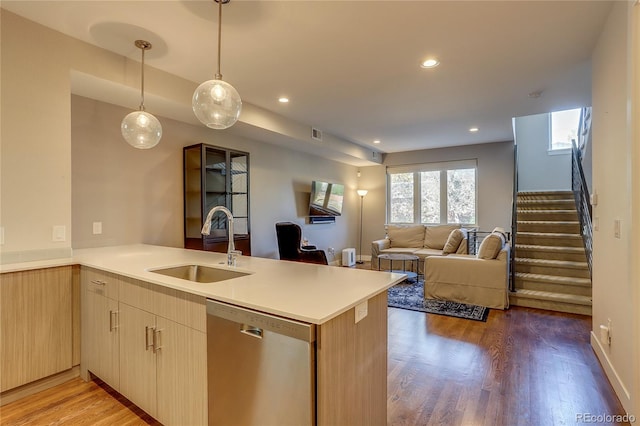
point(199, 273)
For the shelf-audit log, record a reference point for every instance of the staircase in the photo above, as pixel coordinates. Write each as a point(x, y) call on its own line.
point(551, 270)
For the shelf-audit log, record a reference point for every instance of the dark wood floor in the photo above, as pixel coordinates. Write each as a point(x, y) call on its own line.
point(522, 367)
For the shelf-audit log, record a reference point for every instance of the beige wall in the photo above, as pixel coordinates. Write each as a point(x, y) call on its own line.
point(36, 164)
point(613, 166)
point(137, 194)
point(495, 184)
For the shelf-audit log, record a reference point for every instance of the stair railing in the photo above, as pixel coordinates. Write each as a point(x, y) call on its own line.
point(514, 221)
point(581, 191)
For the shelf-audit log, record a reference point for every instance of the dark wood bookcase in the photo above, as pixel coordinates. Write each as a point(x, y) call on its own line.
point(216, 176)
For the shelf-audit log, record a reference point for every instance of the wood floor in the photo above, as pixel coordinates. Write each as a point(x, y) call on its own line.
point(522, 367)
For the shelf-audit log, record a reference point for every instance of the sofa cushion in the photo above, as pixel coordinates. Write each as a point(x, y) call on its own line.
point(435, 237)
point(427, 252)
point(490, 246)
point(406, 236)
point(453, 242)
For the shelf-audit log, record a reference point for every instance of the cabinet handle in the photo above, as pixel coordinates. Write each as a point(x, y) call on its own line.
point(156, 340)
point(112, 323)
point(98, 282)
point(252, 331)
point(148, 345)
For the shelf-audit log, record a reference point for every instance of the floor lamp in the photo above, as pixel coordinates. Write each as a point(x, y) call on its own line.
point(361, 193)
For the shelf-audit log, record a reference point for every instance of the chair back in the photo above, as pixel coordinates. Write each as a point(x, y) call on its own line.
point(289, 239)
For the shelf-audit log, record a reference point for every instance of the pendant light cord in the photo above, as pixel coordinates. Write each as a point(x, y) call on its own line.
point(142, 83)
point(218, 74)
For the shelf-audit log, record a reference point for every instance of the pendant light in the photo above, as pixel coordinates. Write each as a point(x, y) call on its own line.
point(216, 103)
point(139, 128)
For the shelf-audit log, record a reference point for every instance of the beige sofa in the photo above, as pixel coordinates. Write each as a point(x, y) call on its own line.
point(420, 240)
point(482, 279)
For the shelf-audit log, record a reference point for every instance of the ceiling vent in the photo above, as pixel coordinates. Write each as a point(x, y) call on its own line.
point(316, 134)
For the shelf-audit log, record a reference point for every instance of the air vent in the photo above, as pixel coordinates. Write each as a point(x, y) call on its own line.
point(316, 134)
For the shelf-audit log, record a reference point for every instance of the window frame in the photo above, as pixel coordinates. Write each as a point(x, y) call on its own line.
point(443, 168)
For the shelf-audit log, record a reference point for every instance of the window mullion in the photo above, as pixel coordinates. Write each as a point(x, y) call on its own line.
point(444, 218)
point(417, 198)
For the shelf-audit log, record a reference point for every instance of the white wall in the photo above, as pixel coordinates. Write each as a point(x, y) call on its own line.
point(613, 167)
point(495, 184)
point(537, 170)
point(137, 194)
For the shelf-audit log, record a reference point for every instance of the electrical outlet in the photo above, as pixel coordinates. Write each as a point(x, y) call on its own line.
point(59, 233)
point(331, 251)
point(97, 228)
point(361, 311)
point(596, 223)
point(609, 333)
point(616, 228)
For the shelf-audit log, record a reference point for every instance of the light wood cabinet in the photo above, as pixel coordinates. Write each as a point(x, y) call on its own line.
point(101, 333)
point(182, 386)
point(137, 357)
point(36, 337)
point(160, 346)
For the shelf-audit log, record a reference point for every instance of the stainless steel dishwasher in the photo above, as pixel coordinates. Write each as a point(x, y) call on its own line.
point(261, 368)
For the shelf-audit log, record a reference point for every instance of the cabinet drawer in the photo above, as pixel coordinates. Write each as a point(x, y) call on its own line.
point(101, 282)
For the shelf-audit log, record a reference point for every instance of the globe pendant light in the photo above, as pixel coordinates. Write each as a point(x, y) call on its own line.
point(216, 103)
point(139, 128)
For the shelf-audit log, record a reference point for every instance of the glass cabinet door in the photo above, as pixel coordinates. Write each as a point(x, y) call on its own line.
point(215, 176)
point(215, 188)
point(239, 192)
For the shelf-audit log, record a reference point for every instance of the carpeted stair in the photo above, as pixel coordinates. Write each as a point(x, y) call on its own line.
point(551, 270)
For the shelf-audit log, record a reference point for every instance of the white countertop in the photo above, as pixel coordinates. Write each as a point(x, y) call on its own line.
point(301, 291)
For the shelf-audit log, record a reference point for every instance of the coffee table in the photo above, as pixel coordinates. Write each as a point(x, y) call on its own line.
point(409, 260)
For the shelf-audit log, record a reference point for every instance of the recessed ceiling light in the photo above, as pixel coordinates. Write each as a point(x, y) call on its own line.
point(283, 100)
point(377, 141)
point(473, 129)
point(430, 63)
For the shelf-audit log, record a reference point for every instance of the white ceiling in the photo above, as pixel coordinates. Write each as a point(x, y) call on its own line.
point(351, 68)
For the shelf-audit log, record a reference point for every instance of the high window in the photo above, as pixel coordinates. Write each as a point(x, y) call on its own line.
point(564, 129)
point(434, 193)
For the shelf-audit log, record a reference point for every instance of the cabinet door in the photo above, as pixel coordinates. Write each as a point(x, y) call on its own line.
point(102, 338)
point(182, 374)
point(137, 358)
point(35, 325)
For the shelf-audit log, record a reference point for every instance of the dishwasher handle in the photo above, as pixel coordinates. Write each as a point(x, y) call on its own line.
point(252, 331)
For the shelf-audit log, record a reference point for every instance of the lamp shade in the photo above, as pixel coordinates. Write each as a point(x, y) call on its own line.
point(141, 130)
point(362, 192)
point(216, 104)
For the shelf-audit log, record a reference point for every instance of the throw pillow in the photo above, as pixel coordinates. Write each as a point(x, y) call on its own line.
point(490, 246)
point(435, 237)
point(453, 242)
point(406, 236)
point(463, 248)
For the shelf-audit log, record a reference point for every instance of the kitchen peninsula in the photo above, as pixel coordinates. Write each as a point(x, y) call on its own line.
point(144, 333)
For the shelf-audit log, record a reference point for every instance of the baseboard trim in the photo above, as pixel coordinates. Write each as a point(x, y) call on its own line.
point(611, 373)
point(39, 385)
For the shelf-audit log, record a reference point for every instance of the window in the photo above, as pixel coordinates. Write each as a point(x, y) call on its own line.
point(564, 129)
point(435, 193)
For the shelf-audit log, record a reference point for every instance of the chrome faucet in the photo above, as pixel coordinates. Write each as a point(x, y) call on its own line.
point(232, 253)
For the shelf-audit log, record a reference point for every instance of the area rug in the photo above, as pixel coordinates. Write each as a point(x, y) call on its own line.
point(410, 295)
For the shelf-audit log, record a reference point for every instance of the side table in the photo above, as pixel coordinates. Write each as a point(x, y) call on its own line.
point(409, 260)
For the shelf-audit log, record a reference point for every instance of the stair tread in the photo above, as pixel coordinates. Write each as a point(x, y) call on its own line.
point(552, 262)
point(548, 234)
point(558, 297)
point(550, 211)
point(549, 222)
point(545, 193)
point(562, 249)
point(553, 279)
